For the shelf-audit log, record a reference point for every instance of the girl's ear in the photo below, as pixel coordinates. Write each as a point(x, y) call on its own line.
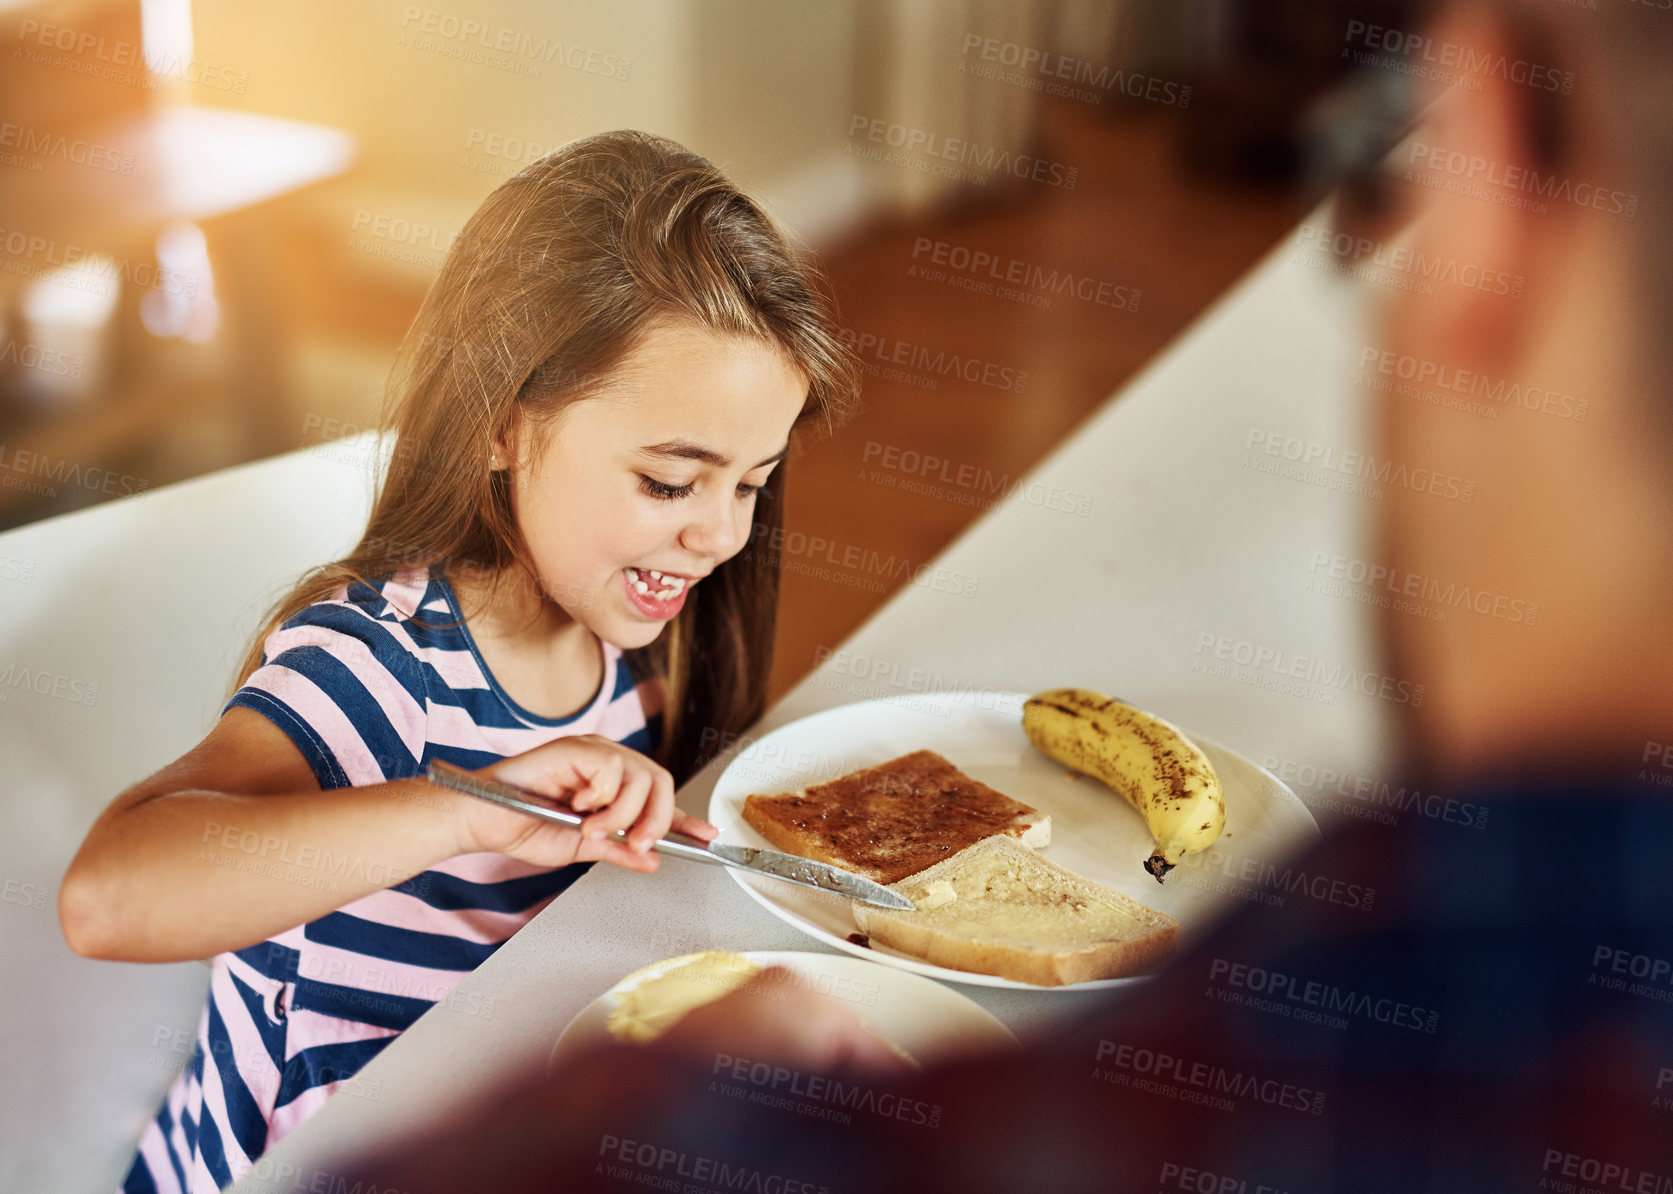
point(503, 448)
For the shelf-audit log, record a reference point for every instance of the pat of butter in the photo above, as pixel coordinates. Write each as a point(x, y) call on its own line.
point(666, 991)
point(937, 894)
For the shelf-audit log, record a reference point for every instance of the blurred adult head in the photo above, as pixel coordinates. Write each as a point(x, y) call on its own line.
point(1547, 154)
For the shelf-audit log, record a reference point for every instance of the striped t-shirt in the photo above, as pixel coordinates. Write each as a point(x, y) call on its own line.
point(367, 695)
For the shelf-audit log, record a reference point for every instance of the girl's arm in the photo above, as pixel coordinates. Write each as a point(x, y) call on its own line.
point(235, 841)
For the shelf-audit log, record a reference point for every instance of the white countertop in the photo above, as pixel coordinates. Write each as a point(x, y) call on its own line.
point(1187, 552)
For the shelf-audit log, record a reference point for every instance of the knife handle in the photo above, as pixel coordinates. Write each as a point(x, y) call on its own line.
point(506, 795)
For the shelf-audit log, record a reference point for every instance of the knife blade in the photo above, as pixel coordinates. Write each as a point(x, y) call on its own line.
point(772, 863)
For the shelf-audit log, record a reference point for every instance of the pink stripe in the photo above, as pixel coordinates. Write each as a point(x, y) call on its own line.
point(202, 1181)
point(189, 1102)
point(212, 1116)
point(459, 731)
point(451, 726)
point(619, 719)
point(404, 713)
point(249, 1058)
point(487, 867)
point(404, 590)
point(456, 666)
point(321, 1029)
point(307, 1029)
point(376, 978)
point(328, 722)
point(288, 1118)
point(403, 911)
point(153, 1150)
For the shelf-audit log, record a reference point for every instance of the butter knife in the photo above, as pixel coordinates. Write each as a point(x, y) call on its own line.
point(772, 863)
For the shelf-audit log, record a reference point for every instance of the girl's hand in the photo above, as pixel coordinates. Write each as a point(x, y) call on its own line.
point(617, 787)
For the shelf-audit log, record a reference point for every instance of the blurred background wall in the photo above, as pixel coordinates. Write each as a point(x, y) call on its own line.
point(217, 219)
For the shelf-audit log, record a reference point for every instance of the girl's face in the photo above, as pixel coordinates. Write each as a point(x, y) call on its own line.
point(640, 489)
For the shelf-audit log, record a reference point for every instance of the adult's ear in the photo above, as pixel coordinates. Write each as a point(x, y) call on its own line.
point(1463, 173)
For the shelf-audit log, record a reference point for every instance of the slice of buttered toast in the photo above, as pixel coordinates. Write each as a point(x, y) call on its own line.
point(893, 820)
point(999, 908)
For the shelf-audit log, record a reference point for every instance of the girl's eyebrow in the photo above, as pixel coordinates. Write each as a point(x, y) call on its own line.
point(684, 449)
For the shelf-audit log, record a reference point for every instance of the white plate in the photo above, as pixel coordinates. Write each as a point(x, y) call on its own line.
point(926, 1019)
point(1094, 832)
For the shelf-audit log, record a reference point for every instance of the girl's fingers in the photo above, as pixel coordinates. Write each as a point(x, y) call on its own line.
point(693, 826)
point(602, 785)
point(624, 809)
point(619, 789)
point(658, 814)
point(621, 854)
point(550, 846)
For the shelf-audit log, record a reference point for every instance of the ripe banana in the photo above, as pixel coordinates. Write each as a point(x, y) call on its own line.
point(1159, 770)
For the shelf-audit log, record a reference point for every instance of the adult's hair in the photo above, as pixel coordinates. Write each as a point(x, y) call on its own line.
point(547, 288)
point(1596, 81)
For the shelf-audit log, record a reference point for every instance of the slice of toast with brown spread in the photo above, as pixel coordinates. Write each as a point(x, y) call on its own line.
point(895, 819)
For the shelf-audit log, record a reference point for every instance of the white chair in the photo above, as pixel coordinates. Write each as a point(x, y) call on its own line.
point(120, 627)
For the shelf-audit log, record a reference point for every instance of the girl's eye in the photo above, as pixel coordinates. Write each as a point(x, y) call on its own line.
point(667, 493)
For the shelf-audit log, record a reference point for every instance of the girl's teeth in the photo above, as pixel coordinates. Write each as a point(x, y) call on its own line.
point(671, 586)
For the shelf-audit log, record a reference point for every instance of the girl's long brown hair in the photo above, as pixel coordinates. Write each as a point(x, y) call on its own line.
point(546, 289)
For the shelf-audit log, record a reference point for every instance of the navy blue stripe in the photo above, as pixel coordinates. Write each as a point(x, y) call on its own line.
point(362, 625)
point(327, 1063)
point(436, 951)
point(459, 756)
point(271, 960)
point(139, 1180)
point(349, 691)
point(214, 1158)
point(486, 709)
point(624, 680)
point(189, 1126)
point(272, 1035)
point(449, 893)
point(327, 771)
point(244, 1116)
point(443, 638)
point(481, 705)
point(358, 1005)
point(188, 1132)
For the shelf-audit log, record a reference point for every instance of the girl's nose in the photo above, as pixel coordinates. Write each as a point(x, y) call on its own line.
point(719, 528)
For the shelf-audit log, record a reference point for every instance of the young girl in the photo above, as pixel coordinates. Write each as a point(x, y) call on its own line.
point(553, 589)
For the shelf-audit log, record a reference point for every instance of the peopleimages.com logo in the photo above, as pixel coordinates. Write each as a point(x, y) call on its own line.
point(987, 160)
point(1311, 669)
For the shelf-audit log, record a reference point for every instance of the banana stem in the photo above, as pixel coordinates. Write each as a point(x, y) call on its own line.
point(1157, 865)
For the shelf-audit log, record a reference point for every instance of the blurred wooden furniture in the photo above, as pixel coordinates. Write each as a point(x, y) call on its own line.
point(102, 166)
